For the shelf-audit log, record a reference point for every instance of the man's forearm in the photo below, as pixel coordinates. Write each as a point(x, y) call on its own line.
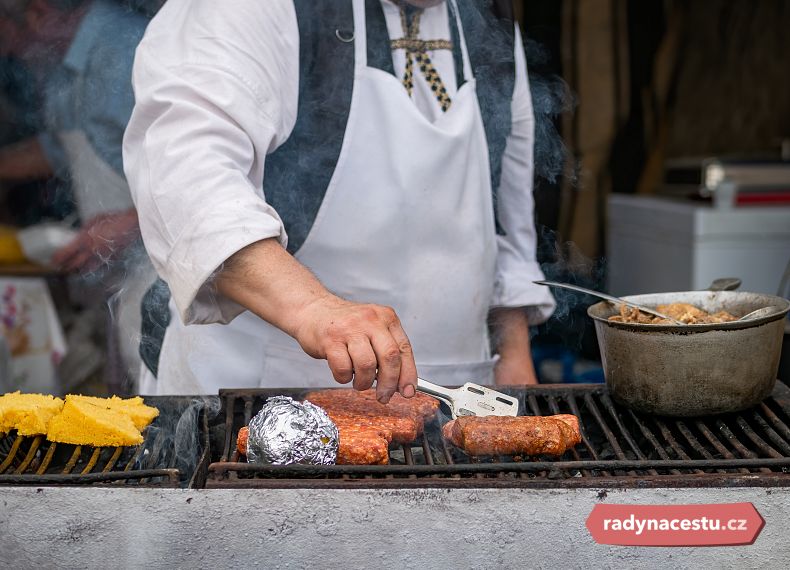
point(360, 341)
point(24, 161)
point(271, 283)
point(510, 332)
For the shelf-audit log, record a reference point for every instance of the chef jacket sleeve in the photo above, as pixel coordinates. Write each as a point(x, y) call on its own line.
point(517, 266)
point(216, 90)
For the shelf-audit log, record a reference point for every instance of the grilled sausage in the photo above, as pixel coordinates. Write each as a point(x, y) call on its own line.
point(421, 407)
point(241, 440)
point(402, 430)
point(523, 435)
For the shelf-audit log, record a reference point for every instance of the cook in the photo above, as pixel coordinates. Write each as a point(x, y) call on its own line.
point(347, 181)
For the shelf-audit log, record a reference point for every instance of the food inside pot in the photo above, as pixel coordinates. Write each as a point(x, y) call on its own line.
point(683, 312)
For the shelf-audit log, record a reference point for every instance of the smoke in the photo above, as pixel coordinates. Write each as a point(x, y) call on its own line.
point(179, 428)
point(551, 97)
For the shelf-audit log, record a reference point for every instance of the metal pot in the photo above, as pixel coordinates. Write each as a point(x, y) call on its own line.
point(692, 370)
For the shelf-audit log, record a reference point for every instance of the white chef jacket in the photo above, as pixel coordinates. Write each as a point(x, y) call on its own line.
point(216, 86)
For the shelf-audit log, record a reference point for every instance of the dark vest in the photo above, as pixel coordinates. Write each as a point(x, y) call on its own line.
point(297, 174)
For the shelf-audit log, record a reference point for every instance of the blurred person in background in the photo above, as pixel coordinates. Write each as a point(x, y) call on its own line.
point(81, 53)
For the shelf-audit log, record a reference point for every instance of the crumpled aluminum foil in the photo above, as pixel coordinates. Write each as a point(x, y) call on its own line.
point(286, 431)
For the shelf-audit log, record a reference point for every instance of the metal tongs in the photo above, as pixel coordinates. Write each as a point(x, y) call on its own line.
point(471, 399)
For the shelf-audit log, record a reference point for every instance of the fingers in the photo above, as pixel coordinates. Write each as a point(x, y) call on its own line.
point(388, 359)
point(407, 380)
point(364, 361)
point(340, 363)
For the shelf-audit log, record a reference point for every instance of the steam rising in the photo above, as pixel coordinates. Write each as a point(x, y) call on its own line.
point(551, 97)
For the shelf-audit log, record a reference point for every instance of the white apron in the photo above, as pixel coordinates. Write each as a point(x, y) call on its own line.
point(407, 221)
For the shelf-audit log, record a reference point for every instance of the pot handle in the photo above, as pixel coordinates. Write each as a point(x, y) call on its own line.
point(725, 284)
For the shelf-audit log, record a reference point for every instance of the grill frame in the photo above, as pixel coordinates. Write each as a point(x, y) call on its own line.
point(629, 467)
point(31, 460)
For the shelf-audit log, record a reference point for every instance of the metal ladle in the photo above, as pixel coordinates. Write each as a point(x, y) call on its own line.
point(610, 298)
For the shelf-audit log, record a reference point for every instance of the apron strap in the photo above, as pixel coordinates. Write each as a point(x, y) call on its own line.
point(463, 65)
point(361, 32)
point(379, 53)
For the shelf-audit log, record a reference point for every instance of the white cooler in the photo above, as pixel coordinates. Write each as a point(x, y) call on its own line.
point(659, 244)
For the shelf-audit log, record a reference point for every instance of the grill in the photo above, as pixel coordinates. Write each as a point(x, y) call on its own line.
point(173, 454)
point(620, 449)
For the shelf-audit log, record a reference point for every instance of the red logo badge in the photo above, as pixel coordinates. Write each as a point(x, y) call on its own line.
point(675, 525)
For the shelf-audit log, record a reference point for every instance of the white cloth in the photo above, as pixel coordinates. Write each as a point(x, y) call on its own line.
point(216, 91)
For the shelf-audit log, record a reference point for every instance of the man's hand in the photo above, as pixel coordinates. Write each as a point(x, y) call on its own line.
point(511, 331)
point(363, 342)
point(99, 242)
point(359, 341)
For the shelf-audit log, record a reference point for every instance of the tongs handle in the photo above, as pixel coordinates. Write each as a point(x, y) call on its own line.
point(446, 395)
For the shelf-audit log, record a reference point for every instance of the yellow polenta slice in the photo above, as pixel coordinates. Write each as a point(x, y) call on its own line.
point(28, 414)
point(83, 423)
point(140, 414)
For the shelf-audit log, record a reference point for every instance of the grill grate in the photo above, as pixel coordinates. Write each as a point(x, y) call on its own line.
point(619, 448)
point(154, 463)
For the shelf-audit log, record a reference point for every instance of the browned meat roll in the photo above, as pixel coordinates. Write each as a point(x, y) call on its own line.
point(523, 435)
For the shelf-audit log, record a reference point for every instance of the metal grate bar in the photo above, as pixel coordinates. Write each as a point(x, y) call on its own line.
point(778, 424)
point(729, 436)
point(588, 400)
point(571, 399)
point(135, 457)
point(92, 461)
point(492, 468)
point(652, 439)
point(73, 461)
point(756, 439)
point(407, 455)
point(426, 449)
point(771, 433)
point(229, 412)
point(47, 459)
point(156, 450)
point(739, 447)
point(609, 406)
point(694, 442)
point(714, 441)
point(670, 439)
point(113, 460)
point(11, 454)
point(31, 453)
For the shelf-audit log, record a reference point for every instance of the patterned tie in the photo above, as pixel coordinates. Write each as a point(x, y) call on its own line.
point(417, 49)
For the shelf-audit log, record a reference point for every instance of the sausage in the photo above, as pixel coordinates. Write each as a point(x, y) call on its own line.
point(507, 435)
point(421, 407)
point(241, 440)
point(402, 430)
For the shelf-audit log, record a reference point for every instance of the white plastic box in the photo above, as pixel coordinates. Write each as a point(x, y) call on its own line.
point(663, 244)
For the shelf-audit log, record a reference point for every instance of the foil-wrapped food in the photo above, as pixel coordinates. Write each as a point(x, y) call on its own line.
point(286, 431)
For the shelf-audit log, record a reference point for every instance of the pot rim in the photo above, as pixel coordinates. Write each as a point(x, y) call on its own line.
point(770, 300)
